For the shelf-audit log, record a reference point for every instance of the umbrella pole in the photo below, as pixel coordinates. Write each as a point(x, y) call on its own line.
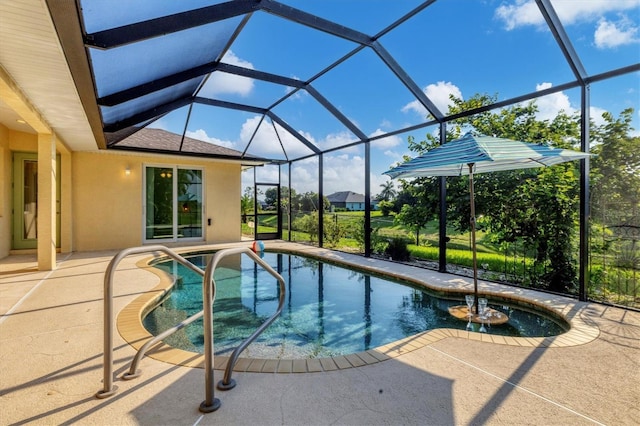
point(473, 237)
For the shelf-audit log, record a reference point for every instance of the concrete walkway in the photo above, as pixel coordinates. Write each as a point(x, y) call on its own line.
point(51, 358)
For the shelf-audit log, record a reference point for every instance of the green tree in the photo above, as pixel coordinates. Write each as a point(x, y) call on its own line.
point(308, 202)
point(615, 168)
point(534, 206)
point(417, 203)
point(271, 197)
point(388, 191)
point(246, 203)
point(414, 217)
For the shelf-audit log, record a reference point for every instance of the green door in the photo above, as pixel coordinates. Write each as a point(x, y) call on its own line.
point(25, 201)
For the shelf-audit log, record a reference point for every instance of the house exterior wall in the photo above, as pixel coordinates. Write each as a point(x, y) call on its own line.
point(355, 206)
point(102, 206)
point(107, 203)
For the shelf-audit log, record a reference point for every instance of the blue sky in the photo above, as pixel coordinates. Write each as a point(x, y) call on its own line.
point(459, 47)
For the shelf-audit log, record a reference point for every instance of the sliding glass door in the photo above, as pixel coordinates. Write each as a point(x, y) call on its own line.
point(173, 203)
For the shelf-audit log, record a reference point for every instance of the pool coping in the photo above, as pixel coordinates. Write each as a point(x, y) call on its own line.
point(130, 327)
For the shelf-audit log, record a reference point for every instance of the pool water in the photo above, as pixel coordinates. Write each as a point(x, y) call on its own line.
point(329, 310)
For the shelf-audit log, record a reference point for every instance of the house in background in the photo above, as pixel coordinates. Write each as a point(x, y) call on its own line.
point(348, 200)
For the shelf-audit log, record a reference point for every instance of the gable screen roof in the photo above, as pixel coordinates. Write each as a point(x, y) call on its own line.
point(264, 74)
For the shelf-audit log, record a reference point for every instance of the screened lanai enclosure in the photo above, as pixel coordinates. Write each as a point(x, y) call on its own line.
point(330, 94)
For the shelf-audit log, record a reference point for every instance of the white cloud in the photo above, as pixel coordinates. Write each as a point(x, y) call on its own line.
point(343, 172)
point(386, 142)
point(396, 157)
point(525, 12)
point(334, 140)
point(595, 114)
point(549, 106)
point(220, 82)
point(438, 94)
point(267, 143)
point(160, 124)
point(200, 134)
point(519, 14)
point(614, 34)
point(385, 124)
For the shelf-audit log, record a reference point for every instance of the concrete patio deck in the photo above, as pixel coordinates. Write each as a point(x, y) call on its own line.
point(51, 349)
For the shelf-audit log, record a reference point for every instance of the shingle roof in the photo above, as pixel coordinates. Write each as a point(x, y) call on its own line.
point(345, 197)
point(162, 140)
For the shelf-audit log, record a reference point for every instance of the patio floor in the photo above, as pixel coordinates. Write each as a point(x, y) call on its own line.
point(51, 352)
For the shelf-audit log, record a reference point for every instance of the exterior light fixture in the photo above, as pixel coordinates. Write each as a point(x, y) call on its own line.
point(127, 171)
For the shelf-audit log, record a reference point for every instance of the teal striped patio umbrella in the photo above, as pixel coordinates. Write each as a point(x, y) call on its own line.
point(470, 155)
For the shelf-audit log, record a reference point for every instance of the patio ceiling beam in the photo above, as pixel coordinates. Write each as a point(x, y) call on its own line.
point(229, 105)
point(155, 85)
point(404, 18)
point(551, 17)
point(613, 73)
point(146, 115)
point(315, 22)
point(115, 37)
point(407, 81)
point(293, 132)
point(260, 75)
point(336, 113)
point(202, 70)
point(253, 135)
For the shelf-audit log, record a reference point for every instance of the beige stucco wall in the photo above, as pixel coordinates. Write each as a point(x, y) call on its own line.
point(108, 203)
point(5, 193)
point(102, 206)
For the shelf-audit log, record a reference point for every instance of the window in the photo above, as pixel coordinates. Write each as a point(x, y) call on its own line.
point(173, 203)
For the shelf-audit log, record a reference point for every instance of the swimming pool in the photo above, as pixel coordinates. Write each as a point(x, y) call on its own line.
point(329, 310)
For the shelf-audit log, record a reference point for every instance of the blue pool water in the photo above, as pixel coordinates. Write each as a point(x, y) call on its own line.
point(329, 310)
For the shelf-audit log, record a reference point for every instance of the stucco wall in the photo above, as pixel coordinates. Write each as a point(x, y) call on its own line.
point(107, 203)
point(106, 210)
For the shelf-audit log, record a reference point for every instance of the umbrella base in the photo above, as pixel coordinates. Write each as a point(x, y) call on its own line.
point(492, 316)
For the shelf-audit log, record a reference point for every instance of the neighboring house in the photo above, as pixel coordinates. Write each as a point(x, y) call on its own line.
point(347, 200)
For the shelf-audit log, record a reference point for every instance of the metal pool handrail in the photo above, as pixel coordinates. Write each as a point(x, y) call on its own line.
point(108, 388)
point(208, 289)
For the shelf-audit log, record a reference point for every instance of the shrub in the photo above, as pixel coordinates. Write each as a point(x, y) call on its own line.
point(397, 249)
point(333, 232)
point(309, 224)
point(385, 207)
